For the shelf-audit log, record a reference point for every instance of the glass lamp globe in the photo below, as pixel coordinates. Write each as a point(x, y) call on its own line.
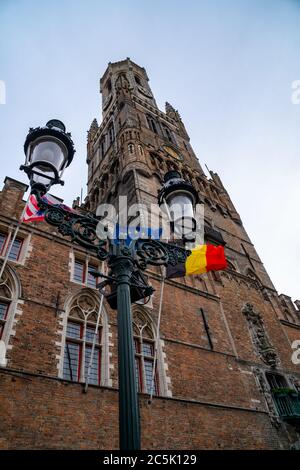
point(49, 150)
point(178, 198)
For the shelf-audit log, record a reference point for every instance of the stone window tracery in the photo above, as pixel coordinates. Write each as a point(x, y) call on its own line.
point(167, 133)
point(79, 335)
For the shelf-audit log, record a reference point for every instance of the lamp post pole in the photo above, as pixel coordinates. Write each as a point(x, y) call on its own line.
point(129, 421)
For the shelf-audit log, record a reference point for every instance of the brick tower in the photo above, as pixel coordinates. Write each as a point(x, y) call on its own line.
point(224, 377)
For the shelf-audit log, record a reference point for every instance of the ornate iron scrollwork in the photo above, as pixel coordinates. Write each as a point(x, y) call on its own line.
point(54, 216)
point(158, 253)
point(177, 254)
point(150, 252)
point(82, 229)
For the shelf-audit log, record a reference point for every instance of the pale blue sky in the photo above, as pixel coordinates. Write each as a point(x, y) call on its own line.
point(227, 65)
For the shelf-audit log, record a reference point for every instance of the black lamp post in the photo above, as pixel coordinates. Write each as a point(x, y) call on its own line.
point(49, 150)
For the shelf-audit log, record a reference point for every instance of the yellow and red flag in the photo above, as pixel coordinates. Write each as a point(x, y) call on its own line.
point(202, 259)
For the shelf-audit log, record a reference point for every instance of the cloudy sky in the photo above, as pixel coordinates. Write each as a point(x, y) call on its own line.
point(227, 65)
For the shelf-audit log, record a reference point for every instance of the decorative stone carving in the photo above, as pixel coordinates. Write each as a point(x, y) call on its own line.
point(93, 129)
point(170, 111)
point(122, 83)
point(295, 381)
point(265, 293)
point(263, 345)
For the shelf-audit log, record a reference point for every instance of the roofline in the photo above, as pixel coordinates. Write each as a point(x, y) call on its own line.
point(124, 61)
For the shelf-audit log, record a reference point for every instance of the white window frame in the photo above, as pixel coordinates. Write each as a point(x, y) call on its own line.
point(87, 261)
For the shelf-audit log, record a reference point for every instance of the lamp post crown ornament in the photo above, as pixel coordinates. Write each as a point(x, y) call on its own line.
point(173, 182)
point(54, 128)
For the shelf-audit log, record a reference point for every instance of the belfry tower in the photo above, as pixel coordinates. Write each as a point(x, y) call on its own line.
point(136, 142)
point(225, 338)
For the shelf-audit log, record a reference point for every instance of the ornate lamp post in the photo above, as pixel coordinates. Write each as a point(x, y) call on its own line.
point(49, 150)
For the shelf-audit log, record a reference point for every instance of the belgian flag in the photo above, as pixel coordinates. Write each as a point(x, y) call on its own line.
point(202, 259)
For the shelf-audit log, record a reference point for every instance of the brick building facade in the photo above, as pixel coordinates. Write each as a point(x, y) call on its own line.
point(225, 339)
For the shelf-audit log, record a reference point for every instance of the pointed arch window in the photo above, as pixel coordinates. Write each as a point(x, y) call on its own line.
point(152, 124)
point(10, 292)
point(167, 133)
point(6, 298)
point(108, 85)
point(80, 331)
point(111, 133)
point(137, 80)
point(144, 343)
point(131, 148)
point(102, 147)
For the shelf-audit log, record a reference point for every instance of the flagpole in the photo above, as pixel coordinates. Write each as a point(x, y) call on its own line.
point(159, 316)
point(11, 241)
point(157, 333)
point(9, 250)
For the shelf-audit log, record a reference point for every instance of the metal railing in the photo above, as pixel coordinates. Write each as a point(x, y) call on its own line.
point(288, 405)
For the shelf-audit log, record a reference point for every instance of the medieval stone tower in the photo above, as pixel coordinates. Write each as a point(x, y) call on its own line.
point(224, 377)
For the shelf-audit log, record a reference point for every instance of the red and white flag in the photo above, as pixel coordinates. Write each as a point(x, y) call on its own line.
point(32, 212)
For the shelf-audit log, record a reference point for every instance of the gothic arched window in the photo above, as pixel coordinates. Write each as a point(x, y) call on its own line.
point(111, 133)
point(102, 147)
point(152, 123)
point(108, 85)
point(6, 298)
point(10, 292)
point(131, 148)
point(137, 80)
point(167, 133)
point(79, 335)
point(144, 343)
